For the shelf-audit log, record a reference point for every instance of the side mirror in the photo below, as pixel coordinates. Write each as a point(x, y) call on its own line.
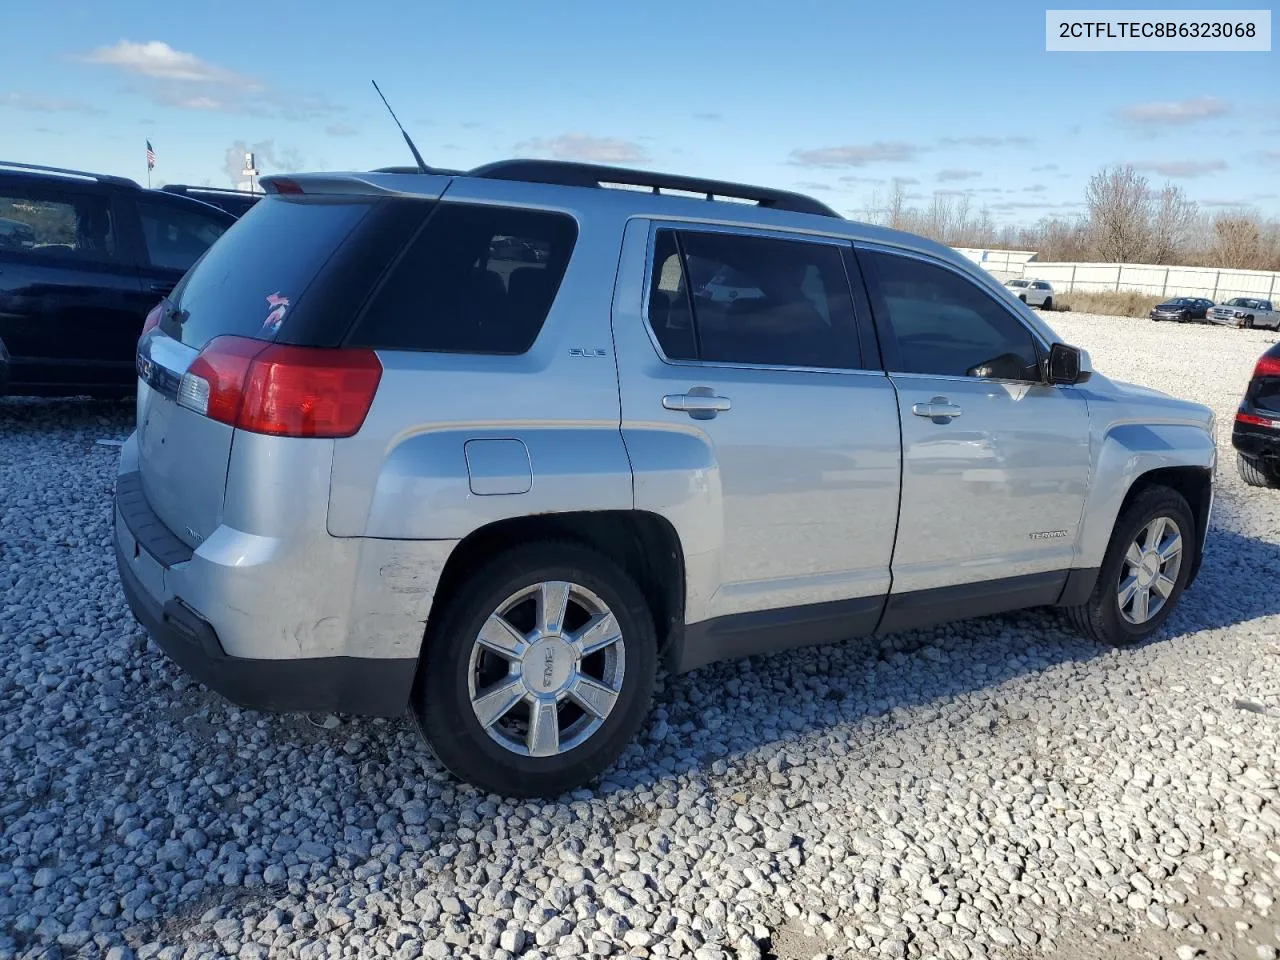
point(1064, 365)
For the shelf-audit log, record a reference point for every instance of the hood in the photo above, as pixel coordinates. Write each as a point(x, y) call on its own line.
point(1145, 402)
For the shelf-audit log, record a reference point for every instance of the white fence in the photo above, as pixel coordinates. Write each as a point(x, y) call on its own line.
point(1217, 285)
point(999, 261)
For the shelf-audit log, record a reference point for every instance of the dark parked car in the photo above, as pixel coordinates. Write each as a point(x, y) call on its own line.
point(83, 258)
point(235, 202)
point(1256, 435)
point(1181, 309)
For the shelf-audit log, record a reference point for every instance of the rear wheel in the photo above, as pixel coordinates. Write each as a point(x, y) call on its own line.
point(1022, 297)
point(539, 672)
point(1255, 473)
point(1143, 572)
point(1048, 304)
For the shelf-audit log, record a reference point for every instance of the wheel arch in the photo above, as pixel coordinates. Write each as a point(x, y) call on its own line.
point(1135, 457)
point(644, 544)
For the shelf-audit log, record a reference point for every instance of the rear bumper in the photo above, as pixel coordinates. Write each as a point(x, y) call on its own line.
point(203, 613)
point(320, 684)
point(1257, 442)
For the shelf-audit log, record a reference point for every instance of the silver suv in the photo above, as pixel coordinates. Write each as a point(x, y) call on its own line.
point(488, 446)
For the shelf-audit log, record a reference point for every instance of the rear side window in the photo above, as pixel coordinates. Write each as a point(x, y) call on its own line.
point(476, 279)
point(175, 237)
point(250, 282)
point(732, 298)
point(78, 227)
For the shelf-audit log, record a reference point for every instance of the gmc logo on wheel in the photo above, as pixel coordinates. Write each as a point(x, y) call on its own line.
point(548, 668)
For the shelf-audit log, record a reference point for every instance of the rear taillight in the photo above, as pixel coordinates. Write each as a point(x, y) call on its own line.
point(153, 319)
point(1255, 420)
point(286, 186)
point(1267, 367)
point(282, 390)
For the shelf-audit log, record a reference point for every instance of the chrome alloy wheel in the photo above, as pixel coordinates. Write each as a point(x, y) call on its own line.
point(1150, 570)
point(546, 669)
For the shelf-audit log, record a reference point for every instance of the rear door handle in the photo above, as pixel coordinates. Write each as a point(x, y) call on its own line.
point(701, 403)
point(939, 410)
point(162, 287)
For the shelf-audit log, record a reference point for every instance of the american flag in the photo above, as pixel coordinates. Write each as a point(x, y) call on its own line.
point(151, 157)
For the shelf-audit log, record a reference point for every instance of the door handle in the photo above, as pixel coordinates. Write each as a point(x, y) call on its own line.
point(162, 287)
point(701, 403)
point(939, 410)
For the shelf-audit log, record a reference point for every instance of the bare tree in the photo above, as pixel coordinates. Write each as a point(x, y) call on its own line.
point(1171, 224)
point(1237, 239)
point(1119, 202)
point(896, 207)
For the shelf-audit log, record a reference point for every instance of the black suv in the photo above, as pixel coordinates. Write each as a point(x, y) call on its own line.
point(1256, 434)
point(83, 258)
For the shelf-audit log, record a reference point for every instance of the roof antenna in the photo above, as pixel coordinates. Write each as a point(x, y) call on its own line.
point(422, 166)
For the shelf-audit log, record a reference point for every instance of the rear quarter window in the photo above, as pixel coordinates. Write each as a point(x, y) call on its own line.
point(251, 282)
point(476, 279)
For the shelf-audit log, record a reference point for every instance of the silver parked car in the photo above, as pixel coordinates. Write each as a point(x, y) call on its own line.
point(385, 460)
point(1034, 293)
point(1245, 312)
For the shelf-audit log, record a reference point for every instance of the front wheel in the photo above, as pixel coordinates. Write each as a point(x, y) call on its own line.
point(539, 672)
point(1143, 572)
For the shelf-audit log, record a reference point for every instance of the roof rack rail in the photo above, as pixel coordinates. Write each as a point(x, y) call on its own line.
point(63, 171)
point(195, 188)
point(432, 171)
point(568, 173)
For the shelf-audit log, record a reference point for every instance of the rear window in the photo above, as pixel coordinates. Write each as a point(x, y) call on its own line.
point(476, 279)
point(251, 281)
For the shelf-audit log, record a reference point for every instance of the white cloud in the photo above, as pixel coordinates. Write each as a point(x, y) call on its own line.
point(856, 155)
point(340, 130)
point(984, 141)
point(580, 146)
point(158, 60)
point(957, 173)
point(176, 78)
point(1175, 112)
point(1182, 168)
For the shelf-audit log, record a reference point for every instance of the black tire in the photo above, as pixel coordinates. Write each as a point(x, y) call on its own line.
point(1248, 323)
point(1099, 617)
point(1256, 474)
point(1022, 297)
point(1048, 304)
point(441, 700)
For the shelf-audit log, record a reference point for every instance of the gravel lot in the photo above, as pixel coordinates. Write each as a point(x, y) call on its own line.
point(999, 788)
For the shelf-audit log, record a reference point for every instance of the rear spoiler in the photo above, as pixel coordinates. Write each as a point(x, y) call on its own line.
point(358, 184)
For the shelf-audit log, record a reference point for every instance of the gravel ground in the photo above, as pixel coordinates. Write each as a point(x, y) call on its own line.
point(998, 788)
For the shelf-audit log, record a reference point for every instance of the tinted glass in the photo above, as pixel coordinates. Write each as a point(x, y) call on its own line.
point(77, 227)
point(252, 280)
point(945, 325)
point(476, 279)
point(174, 237)
point(766, 301)
point(669, 315)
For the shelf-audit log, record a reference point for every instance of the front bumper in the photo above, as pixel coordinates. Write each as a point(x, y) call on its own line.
point(146, 552)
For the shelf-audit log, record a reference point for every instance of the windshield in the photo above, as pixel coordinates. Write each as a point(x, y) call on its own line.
point(1016, 283)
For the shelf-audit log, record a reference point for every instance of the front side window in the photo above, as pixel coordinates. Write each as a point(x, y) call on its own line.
point(476, 279)
point(731, 298)
point(945, 325)
point(76, 228)
point(176, 238)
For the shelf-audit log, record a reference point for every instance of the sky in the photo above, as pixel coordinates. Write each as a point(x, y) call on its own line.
point(830, 97)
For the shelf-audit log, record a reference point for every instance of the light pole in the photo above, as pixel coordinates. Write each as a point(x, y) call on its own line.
point(250, 171)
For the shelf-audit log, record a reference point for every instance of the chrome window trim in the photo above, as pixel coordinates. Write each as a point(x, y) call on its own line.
point(1036, 339)
point(767, 233)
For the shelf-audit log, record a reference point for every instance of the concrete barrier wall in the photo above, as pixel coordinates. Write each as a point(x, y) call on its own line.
point(1153, 279)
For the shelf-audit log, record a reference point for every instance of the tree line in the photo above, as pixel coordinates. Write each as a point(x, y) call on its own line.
point(1125, 220)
